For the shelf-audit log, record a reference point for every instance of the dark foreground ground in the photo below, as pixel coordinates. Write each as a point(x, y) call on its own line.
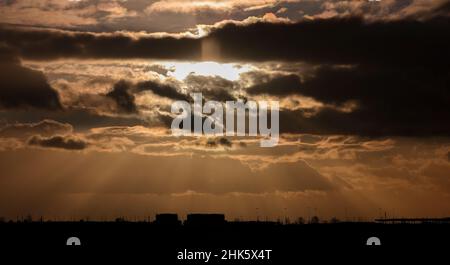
point(165, 242)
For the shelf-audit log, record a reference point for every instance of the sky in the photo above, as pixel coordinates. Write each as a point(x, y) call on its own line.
point(86, 88)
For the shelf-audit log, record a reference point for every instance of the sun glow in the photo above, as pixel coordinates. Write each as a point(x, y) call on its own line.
point(180, 70)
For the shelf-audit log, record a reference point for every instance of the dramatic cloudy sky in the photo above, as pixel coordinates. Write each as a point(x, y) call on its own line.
point(86, 88)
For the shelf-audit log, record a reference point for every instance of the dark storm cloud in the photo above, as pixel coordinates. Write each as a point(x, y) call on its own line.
point(366, 84)
point(279, 86)
point(338, 41)
point(413, 88)
point(397, 72)
point(123, 93)
point(62, 142)
point(21, 87)
point(364, 122)
point(42, 44)
point(123, 97)
point(212, 87)
point(163, 90)
point(387, 100)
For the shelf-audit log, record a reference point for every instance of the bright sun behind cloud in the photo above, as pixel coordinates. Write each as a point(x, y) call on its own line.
point(180, 70)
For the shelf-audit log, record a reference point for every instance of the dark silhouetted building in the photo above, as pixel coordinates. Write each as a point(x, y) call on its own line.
point(167, 219)
point(205, 219)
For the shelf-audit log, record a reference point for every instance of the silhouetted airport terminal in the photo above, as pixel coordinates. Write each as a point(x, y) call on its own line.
point(167, 219)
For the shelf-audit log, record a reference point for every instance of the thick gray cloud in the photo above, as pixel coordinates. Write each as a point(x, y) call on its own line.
point(212, 87)
point(160, 89)
point(280, 86)
point(58, 141)
point(21, 87)
point(338, 41)
point(123, 93)
point(123, 97)
point(43, 44)
point(382, 101)
point(182, 15)
point(395, 72)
